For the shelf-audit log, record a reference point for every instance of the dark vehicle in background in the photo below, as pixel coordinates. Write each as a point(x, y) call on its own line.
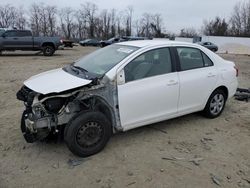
point(90, 42)
point(209, 45)
point(11, 40)
point(121, 39)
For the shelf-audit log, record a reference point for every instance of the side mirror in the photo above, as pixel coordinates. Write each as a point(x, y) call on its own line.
point(120, 78)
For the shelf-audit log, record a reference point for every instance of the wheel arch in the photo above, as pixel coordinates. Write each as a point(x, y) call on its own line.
point(101, 104)
point(224, 89)
point(48, 44)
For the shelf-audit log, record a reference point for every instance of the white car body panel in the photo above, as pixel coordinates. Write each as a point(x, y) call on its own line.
point(148, 100)
point(54, 81)
point(196, 86)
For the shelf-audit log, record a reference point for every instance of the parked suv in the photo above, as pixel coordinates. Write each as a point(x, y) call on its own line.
point(11, 40)
point(124, 86)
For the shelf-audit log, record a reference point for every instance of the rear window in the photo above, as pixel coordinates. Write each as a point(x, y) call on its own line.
point(192, 58)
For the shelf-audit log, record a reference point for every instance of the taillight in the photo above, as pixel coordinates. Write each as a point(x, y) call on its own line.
point(237, 71)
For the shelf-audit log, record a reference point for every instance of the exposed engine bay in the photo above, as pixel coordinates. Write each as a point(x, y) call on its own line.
point(47, 114)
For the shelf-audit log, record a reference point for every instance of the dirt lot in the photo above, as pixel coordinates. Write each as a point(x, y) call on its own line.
point(190, 151)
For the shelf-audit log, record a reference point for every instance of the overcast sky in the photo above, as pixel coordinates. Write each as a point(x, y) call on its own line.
point(177, 14)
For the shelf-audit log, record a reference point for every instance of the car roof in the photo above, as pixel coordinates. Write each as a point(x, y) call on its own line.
point(152, 43)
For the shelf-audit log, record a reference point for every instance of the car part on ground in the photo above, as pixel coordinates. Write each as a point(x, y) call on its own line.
point(242, 94)
point(124, 86)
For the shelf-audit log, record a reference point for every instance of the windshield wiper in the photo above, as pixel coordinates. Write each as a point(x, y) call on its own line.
point(78, 68)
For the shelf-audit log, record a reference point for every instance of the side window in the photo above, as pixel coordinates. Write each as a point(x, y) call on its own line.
point(207, 61)
point(10, 33)
point(151, 63)
point(190, 58)
point(24, 34)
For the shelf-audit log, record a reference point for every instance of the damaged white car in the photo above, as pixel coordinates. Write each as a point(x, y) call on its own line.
point(124, 86)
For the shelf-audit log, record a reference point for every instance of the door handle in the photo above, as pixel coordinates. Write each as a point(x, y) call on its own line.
point(172, 83)
point(210, 75)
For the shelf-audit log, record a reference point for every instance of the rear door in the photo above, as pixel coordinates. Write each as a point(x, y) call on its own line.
point(25, 40)
point(198, 77)
point(151, 89)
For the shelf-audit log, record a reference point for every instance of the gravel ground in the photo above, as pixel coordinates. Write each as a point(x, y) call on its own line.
point(189, 151)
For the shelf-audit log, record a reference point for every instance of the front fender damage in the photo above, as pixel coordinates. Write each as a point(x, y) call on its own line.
point(48, 114)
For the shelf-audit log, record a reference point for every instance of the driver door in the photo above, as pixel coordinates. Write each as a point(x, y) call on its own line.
point(150, 90)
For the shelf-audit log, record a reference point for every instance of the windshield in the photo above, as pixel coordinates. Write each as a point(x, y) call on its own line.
point(102, 60)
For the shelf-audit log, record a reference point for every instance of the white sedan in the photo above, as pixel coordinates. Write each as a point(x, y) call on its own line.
point(124, 86)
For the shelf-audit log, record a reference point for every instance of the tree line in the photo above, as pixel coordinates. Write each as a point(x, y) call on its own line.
point(237, 25)
point(86, 22)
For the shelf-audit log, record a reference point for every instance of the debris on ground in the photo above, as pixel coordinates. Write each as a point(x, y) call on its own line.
point(172, 158)
point(205, 142)
point(24, 167)
point(132, 183)
point(195, 160)
point(216, 180)
point(74, 162)
point(129, 173)
point(242, 94)
point(56, 165)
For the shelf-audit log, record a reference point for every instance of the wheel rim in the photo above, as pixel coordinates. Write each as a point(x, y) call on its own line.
point(89, 134)
point(47, 50)
point(217, 104)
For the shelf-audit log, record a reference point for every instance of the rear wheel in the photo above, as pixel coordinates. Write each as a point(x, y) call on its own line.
point(215, 104)
point(88, 133)
point(48, 50)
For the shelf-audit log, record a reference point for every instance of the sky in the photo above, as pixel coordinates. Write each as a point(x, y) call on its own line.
point(176, 14)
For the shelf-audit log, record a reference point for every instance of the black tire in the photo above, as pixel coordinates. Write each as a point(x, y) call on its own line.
point(1, 52)
point(215, 104)
point(87, 133)
point(48, 50)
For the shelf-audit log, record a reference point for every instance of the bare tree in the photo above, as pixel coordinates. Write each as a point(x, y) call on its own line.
point(51, 12)
point(157, 25)
point(20, 20)
point(240, 19)
point(129, 14)
point(215, 27)
point(8, 15)
point(188, 32)
point(90, 10)
point(67, 21)
point(35, 19)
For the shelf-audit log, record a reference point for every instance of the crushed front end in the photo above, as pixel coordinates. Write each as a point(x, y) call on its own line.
point(44, 114)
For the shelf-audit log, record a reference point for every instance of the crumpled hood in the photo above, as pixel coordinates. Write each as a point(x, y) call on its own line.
point(54, 81)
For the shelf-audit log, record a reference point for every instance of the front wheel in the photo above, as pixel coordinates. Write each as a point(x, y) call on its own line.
point(215, 104)
point(48, 50)
point(88, 133)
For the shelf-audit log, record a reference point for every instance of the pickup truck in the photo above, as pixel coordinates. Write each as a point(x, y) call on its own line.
point(11, 40)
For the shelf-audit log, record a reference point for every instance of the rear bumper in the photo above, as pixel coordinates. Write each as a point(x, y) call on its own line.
point(232, 88)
